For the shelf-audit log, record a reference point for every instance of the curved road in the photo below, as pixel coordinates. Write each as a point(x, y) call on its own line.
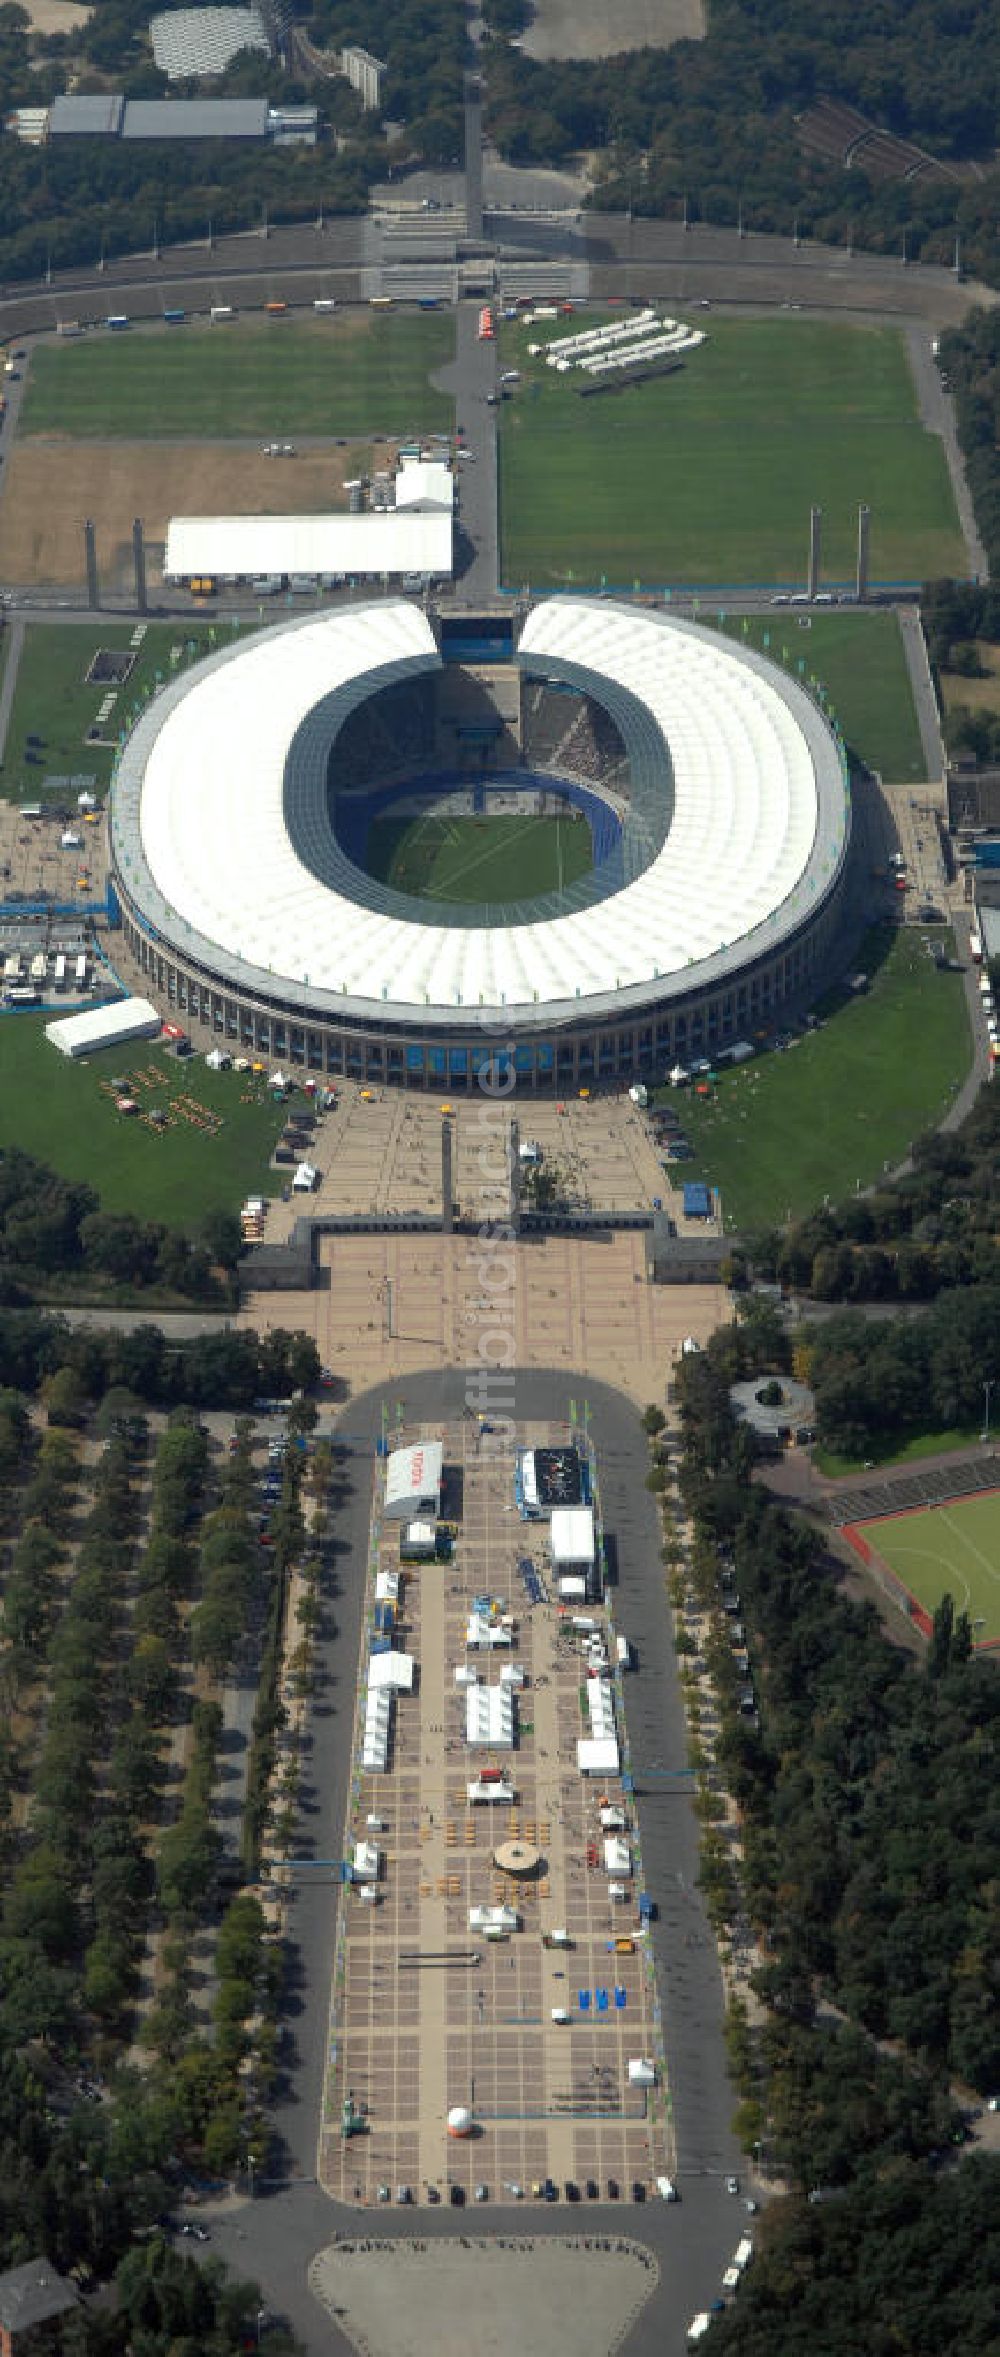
point(289, 2220)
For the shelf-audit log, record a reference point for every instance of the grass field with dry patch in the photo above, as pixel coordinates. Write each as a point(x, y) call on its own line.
point(51, 487)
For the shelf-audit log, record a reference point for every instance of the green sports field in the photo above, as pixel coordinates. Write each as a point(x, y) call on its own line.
point(947, 1550)
point(479, 859)
point(708, 476)
point(363, 372)
point(53, 700)
point(860, 662)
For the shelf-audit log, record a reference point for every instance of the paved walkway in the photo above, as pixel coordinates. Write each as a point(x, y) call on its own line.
point(14, 645)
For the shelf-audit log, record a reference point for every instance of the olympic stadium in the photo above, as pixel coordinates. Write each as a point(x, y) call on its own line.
point(703, 795)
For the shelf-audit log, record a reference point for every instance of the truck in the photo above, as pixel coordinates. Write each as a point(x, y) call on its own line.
point(324, 303)
point(174, 318)
point(116, 320)
point(698, 2327)
point(486, 330)
point(623, 1653)
point(220, 312)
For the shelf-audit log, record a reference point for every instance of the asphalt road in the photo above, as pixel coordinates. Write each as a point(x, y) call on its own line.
point(275, 2238)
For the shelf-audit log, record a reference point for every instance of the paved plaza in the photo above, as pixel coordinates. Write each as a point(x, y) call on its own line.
point(556, 2299)
point(381, 1152)
point(574, 1302)
point(428, 2014)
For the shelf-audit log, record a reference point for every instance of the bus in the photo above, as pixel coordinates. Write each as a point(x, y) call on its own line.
point(486, 325)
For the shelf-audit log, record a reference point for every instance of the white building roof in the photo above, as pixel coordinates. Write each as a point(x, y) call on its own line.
point(489, 1717)
point(752, 773)
point(413, 1479)
point(425, 486)
point(572, 1534)
point(482, 1632)
point(104, 1027)
point(617, 1855)
point(243, 547)
point(365, 1862)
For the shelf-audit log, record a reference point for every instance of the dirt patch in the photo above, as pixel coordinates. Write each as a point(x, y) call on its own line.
point(54, 16)
point(974, 695)
point(52, 487)
point(585, 28)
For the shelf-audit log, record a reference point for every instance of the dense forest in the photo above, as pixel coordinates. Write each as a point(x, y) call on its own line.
point(970, 356)
point(868, 1816)
point(713, 122)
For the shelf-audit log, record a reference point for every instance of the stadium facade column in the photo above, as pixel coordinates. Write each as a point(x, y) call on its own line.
point(447, 1176)
point(864, 533)
point(139, 562)
point(815, 548)
point(90, 554)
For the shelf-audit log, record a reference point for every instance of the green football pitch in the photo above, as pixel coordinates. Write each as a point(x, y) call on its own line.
point(479, 859)
point(947, 1550)
point(362, 372)
point(708, 476)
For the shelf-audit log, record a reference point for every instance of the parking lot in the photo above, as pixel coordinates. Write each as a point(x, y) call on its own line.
point(427, 2014)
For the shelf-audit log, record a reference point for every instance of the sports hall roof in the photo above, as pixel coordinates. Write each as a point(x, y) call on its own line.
point(758, 829)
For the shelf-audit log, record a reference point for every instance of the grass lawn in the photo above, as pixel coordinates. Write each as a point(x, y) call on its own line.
point(861, 662)
point(708, 476)
point(58, 1111)
point(360, 373)
point(942, 1550)
point(832, 1112)
point(52, 699)
point(479, 859)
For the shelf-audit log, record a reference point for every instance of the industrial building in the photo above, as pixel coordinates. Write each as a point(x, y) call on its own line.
point(110, 116)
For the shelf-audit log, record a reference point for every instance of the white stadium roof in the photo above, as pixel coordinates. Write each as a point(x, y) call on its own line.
point(752, 787)
point(243, 547)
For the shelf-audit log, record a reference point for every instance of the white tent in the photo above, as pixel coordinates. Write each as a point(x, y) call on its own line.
point(484, 1636)
point(489, 1717)
point(484, 1788)
point(217, 1060)
point(305, 1178)
point(640, 2072)
point(386, 1587)
point(104, 1027)
point(572, 1538)
point(413, 1479)
point(493, 1919)
point(391, 1670)
point(365, 1862)
point(617, 1855)
point(597, 1756)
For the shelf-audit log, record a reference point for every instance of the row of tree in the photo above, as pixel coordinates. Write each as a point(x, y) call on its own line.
point(868, 1824)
